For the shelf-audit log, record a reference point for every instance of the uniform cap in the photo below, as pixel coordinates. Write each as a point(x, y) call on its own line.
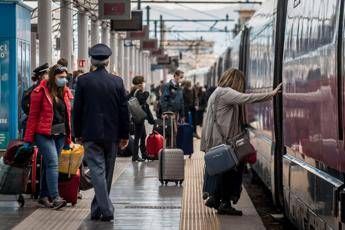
point(41, 68)
point(100, 52)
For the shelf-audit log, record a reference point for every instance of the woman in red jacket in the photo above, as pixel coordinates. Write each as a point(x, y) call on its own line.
point(49, 126)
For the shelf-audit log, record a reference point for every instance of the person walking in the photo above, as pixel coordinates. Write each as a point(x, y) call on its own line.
point(139, 129)
point(49, 126)
point(172, 96)
point(222, 123)
point(101, 123)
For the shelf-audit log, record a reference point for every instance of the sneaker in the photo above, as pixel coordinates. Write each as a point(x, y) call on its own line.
point(227, 209)
point(58, 203)
point(45, 202)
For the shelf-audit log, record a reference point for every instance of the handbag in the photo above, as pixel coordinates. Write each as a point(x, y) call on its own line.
point(85, 178)
point(137, 112)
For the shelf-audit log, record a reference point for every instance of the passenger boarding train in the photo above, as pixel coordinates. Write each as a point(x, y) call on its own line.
point(299, 136)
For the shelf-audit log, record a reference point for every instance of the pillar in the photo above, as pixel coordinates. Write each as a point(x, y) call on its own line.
point(66, 31)
point(126, 68)
point(105, 33)
point(33, 50)
point(45, 31)
point(94, 31)
point(113, 46)
point(82, 41)
point(120, 56)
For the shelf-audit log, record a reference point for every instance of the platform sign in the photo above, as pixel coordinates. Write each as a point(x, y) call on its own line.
point(4, 92)
point(157, 52)
point(114, 9)
point(134, 24)
point(82, 63)
point(163, 60)
point(156, 67)
point(151, 44)
point(138, 35)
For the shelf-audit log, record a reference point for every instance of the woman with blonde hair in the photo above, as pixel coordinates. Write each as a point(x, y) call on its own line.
point(223, 121)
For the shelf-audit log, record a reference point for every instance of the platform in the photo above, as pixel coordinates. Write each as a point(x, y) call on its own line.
point(140, 203)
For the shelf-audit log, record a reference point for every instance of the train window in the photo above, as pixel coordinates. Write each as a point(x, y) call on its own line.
point(310, 25)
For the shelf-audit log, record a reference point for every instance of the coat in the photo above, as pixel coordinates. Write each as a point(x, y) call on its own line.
point(41, 113)
point(227, 108)
point(172, 99)
point(100, 108)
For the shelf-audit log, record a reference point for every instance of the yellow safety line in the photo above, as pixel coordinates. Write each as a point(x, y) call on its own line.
point(194, 214)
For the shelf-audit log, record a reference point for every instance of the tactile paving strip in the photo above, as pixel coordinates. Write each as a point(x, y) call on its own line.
point(70, 217)
point(195, 215)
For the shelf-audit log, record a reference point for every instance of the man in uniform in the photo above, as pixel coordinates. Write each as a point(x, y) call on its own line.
point(101, 122)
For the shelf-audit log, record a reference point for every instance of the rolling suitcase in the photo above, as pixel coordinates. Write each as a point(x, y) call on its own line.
point(33, 186)
point(171, 161)
point(69, 188)
point(210, 185)
point(184, 138)
point(154, 143)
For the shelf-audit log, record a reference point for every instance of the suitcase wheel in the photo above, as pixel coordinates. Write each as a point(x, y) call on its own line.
point(205, 195)
point(21, 201)
point(73, 204)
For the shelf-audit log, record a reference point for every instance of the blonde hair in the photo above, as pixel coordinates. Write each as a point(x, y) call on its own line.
point(233, 78)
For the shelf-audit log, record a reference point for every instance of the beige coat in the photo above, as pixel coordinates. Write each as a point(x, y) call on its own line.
point(227, 115)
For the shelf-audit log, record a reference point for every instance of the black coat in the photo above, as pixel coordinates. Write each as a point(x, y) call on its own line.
point(101, 108)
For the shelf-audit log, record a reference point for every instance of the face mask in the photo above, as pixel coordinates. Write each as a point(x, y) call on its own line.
point(61, 82)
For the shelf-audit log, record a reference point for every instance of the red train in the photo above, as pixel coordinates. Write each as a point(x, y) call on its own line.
point(300, 135)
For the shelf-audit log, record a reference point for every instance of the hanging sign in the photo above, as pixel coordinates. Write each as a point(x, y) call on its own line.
point(134, 24)
point(150, 44)
point(114, 9)
point(138, 35)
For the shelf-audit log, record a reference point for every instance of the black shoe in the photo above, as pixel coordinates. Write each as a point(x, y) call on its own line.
point(140, 159)
point(95, 217)
point(58, 203)
point(107, 218)
point(226, 209)
point(211, 202)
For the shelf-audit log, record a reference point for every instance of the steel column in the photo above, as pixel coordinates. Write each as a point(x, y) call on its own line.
point(45, 31)
point(82, 41)
point(66, 31)
point(105, 33)
point(94, 31)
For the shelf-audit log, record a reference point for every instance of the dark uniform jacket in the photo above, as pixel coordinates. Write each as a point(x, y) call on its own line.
point(101, 108)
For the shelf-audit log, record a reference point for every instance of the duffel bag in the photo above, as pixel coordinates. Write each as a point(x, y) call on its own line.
point(13, 180)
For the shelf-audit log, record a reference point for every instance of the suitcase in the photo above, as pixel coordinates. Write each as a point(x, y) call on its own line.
point(69, 189)
point(171, 161)
point(220, 159)
point(154, 143)
point(33, 186)
point(210, 185)
point(184, 138)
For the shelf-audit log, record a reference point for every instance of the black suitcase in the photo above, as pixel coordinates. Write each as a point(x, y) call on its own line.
point(210, 185)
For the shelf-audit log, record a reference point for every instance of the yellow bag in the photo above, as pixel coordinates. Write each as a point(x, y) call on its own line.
point(70, 160)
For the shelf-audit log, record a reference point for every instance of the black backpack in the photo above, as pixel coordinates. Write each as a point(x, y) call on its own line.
point(26, 99)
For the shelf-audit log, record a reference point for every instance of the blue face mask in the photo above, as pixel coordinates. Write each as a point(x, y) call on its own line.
point(61, 82)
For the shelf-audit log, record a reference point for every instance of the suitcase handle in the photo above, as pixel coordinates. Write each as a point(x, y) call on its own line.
point(167, 115)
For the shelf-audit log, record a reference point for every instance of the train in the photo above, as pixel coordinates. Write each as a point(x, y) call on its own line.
point(299, 135)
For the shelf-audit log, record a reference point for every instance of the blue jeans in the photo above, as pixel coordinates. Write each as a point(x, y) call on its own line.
point(50, 147)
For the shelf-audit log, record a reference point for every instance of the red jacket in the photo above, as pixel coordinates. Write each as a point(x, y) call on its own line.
point(41, 113)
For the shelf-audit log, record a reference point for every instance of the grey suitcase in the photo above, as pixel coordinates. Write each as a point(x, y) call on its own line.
point(220, 159)
point(171, 160)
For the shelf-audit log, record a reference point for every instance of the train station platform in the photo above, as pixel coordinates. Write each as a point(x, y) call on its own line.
point(140, 203)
